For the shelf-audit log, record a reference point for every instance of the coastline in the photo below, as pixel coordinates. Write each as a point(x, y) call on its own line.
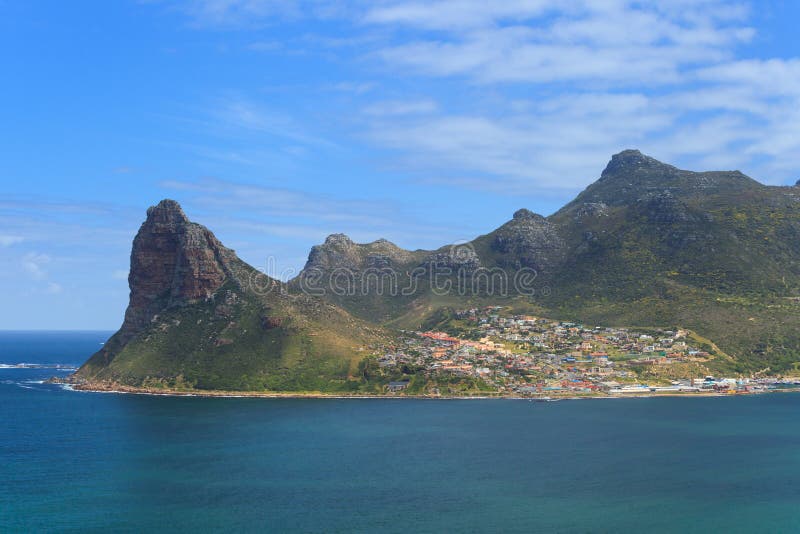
point(122, 389)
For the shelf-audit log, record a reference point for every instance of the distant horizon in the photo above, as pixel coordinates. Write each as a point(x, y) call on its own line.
point(56, 331)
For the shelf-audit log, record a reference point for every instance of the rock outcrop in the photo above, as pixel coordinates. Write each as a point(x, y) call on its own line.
point(631, 161)
point(528, 240)
point(174, 262)
point(340, 252)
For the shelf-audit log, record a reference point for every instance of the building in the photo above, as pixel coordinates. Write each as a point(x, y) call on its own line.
point(399, 385)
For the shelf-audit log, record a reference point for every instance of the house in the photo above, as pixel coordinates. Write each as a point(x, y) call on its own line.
point(398, 385)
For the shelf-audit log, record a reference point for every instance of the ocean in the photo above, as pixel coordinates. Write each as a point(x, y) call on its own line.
point(74, 461)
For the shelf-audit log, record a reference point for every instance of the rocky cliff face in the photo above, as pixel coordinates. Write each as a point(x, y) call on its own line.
point(174, 262)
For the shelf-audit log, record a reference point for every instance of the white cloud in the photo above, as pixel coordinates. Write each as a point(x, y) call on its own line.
point(603, 75)
point(358, 88)
point(8, 240)
point(455, 14)
point(34, 263)
point(242, 114)
point(610, 42)
point(772, 77)
point(265, 46)
point(260, 221)
point(528, 95)
point(277, 202)
point(532, 148)
point(235, 13)
point(53, 288)
point(402, 107)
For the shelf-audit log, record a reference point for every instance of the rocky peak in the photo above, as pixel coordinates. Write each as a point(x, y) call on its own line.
point(797, 184)
point(173, 262)
point(166, 212)
point(338, 251)
point(338, 239)
point(632, 160)
point(525, 214)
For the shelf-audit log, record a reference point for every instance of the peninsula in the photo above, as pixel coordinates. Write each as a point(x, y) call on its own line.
point(654, 280)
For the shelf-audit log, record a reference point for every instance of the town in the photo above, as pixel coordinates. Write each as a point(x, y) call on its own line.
point(492, 351)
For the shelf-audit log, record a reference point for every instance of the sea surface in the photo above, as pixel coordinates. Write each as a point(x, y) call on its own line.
point(73, 461)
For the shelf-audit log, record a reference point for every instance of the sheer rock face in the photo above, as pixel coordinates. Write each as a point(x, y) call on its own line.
point(174, 262)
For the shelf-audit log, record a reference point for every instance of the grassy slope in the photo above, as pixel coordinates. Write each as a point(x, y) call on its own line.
point(207, 345)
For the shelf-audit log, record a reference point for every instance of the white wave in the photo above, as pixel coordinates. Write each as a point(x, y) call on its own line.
point(55, 366)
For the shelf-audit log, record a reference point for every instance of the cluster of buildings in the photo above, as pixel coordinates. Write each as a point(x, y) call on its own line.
point(526, 355)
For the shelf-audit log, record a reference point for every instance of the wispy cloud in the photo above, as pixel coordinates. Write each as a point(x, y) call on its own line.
point(532, 148)
point(258, 200)
point(53, 288)
point(243, 114)
point(234, 13)
point(260, 221)
point(530, 95)
point(402, 107)
point(357, 88)
point(8, 240)
point(34, 264)
point(611, 43)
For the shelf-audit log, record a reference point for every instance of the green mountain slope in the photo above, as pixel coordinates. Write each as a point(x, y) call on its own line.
point(645, 244)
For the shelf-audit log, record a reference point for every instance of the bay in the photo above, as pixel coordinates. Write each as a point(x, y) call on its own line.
point(73, 461)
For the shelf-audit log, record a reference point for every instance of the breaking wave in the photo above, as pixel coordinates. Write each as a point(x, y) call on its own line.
point(56, 366)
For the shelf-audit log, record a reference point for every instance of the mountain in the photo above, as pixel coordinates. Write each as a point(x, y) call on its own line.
point(646, 244)
point(715, 251)
point(199, 317)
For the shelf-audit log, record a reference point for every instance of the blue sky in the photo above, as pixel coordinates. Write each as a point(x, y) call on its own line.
point(425, 122)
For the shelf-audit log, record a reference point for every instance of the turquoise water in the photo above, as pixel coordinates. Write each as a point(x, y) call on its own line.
point(89, 461)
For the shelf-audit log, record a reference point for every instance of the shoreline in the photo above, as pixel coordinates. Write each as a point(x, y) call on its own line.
point(551, 397)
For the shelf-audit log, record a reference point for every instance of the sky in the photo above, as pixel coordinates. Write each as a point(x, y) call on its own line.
point(276, 123)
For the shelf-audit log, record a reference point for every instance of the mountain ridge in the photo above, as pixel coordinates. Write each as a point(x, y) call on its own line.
point(643, 234)
point(646, 244)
